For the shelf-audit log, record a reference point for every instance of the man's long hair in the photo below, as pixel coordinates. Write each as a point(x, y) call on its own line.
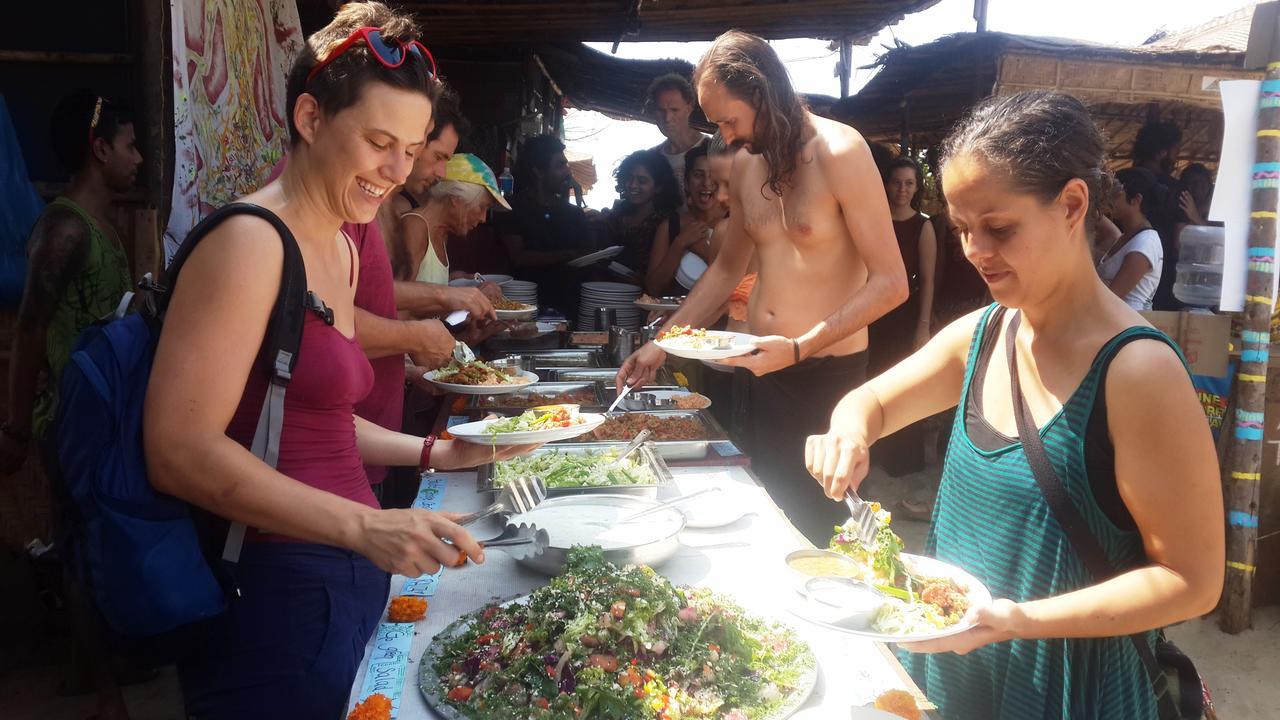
point(750, 70)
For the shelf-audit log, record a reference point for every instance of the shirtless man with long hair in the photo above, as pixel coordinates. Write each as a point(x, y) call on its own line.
point(807, 198)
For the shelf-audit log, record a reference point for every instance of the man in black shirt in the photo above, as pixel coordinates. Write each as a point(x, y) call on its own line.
point(544, 231)
point(1156, 148)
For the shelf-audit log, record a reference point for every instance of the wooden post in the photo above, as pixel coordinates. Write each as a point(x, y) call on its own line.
point(1242, 469)
point(846, 60)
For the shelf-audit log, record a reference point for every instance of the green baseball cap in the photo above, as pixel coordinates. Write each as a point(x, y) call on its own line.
point(467, 168)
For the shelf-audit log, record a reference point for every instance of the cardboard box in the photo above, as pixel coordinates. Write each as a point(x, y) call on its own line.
point(1204, 338)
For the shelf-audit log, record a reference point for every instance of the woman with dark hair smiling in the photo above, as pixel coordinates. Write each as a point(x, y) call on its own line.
point(648, 196)
point(1081, 482)
point(313, 573)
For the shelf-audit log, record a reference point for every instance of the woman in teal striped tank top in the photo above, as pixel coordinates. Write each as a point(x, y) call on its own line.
point(1119, 421)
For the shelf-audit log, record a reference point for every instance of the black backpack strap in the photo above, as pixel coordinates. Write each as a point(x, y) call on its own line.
point(280, 344)
point(1069, 518)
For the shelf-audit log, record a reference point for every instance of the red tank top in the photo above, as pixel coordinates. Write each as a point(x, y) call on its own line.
point(318, 439)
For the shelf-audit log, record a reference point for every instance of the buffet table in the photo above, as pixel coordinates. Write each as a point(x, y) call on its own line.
point(743, 560)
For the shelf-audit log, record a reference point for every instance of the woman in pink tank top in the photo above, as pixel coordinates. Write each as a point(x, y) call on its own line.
point(313, 575)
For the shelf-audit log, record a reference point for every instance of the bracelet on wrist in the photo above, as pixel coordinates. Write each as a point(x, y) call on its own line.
point(424, 460)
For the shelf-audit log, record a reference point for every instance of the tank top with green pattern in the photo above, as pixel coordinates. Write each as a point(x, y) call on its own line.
point(94, 292)
point(992, 520)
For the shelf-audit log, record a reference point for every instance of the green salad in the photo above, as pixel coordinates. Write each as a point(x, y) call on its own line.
point(575, 470)
point(550, 418)
point(616, 643)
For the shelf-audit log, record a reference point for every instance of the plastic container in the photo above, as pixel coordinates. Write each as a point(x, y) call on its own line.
point(1199, 271)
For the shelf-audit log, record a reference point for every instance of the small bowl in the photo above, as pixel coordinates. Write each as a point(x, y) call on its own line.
point(509, 365)
point(848, 603)
point(807, 564)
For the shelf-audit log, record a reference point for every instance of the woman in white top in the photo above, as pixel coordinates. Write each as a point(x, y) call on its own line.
point(1131, 266)
point(455, 205)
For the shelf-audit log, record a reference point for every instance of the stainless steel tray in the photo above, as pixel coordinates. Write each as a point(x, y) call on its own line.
point(676, 449)
point(548, 395)
point(606, 376)
point(646, 454)
point(565, 358)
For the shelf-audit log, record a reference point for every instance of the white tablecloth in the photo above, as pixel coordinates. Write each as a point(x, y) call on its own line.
point(743, 560)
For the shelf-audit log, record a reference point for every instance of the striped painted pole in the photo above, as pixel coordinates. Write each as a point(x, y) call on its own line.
point(1243, 462)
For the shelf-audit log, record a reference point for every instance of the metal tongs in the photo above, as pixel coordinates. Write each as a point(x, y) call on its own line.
point(462, 352)
point(520, 496)
point(520, 541)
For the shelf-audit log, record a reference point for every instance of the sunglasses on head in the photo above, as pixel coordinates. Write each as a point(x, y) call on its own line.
point(391, 55)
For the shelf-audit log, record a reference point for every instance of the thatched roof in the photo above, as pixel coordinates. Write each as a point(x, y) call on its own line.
point(924, 90)
point(1227, 33)
point(499, 21)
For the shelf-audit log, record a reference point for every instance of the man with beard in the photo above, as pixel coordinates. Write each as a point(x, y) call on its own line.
point(544, 230)
point(77, 273)
point(807, 198)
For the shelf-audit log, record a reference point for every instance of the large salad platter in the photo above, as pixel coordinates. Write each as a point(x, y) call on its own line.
point(614, 643)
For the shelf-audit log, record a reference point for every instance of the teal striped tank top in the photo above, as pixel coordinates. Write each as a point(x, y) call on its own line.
point(991, 520)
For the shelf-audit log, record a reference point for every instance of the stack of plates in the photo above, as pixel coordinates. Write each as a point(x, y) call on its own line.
point(691, 268)
point(521, 291)
point(619, 296)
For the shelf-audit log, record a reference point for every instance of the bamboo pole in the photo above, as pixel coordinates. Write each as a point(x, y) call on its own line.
point(1243, 465)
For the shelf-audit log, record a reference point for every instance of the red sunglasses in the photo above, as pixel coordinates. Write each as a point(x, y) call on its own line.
point(391, 56)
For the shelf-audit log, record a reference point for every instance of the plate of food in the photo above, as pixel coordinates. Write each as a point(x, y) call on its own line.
point(649, 302)
point(511, 310)
point(699, 344)
point(602, 641)
point(876, 591)
point(544, 424)
point(479, 378)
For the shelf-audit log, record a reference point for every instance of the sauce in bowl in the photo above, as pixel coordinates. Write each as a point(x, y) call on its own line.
point(821, 563)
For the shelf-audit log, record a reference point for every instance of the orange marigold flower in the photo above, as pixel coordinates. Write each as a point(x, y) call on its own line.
point(375, 707)
point(900, 703)
point(407, 608)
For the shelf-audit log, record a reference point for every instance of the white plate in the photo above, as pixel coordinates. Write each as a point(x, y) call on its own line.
point(741, 345)
point(475, 432)
point(483, 389)
point(928, 567)
point(526, 313)
point(499, 279)
point(605, 254)
point(464, 282)
point(712, 513)
point(691, 269)
point(610, 287)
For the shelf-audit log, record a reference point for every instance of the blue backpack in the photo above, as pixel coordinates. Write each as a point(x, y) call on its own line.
point(139, 552)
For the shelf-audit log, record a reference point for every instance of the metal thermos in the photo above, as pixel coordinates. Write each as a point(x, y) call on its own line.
point(622, 342)
point(606, 317)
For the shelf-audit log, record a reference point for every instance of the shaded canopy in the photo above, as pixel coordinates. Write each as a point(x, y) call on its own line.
point(920, 92)
point(593, 80)
point(518, 21)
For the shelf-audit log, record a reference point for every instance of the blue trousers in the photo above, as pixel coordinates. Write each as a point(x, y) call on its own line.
point(290, 645)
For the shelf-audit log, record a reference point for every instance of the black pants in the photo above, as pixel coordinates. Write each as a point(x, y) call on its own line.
point(787, 407)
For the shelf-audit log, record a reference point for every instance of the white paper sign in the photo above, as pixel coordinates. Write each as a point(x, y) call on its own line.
point(1233, 193)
